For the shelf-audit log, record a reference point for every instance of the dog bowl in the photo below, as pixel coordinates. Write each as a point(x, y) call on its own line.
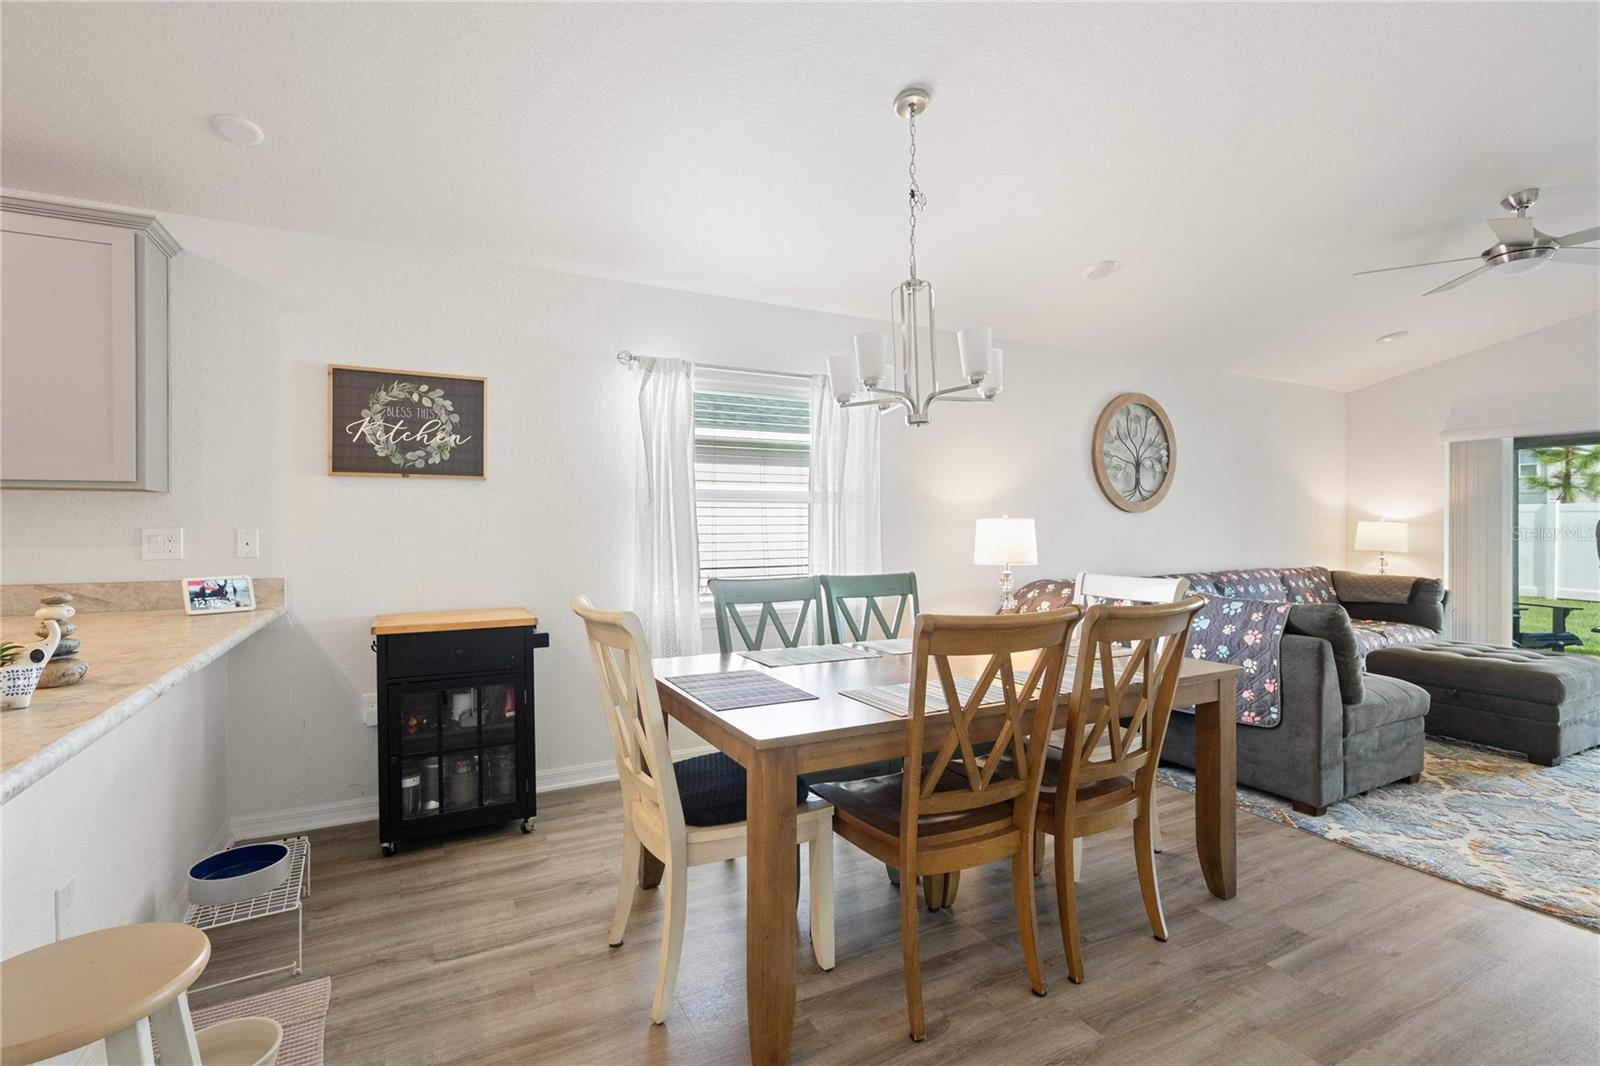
point(238, 873)
point(240, 1042)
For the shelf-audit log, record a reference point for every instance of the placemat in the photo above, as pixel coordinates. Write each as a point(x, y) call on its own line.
point(734, 689)
point(892, 646)
point(896, 699)
point(817, 653)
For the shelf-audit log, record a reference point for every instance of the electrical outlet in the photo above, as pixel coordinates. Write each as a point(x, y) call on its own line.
point(247, 543)
point(67, 909)
point(161, 543)
point(369, 708)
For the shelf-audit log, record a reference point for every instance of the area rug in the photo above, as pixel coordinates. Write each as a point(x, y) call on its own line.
point(1479, 817)
point(301, 1009)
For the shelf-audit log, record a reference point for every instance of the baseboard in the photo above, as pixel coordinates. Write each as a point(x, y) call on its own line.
point(365, 808)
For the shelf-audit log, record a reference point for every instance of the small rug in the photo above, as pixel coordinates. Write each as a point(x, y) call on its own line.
point(1479, 817)
point(301, 1009)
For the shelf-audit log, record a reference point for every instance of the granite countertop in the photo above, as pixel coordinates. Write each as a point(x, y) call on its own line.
point(133, 657)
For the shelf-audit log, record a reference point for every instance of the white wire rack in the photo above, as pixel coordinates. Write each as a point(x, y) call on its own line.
point(281, 900)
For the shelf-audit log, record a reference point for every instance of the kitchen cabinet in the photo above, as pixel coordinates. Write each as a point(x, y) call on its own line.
point(83, 347)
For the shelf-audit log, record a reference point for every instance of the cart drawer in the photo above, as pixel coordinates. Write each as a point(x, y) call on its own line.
point(464, 651)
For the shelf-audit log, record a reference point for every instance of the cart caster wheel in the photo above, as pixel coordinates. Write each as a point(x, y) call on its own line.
point(389, 850)
point(527, 825)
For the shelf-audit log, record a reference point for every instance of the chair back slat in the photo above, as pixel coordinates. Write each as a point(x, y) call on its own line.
point(632, 710)
point(1019, 745)
point(838, 590)
point(1122, 735)
point(729, 594)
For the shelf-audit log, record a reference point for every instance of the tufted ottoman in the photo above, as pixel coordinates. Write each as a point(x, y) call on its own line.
point(1545, 705)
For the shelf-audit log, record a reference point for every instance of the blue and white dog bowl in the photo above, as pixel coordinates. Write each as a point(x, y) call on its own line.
point(237, 874)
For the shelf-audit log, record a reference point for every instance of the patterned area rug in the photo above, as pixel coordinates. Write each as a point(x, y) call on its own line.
point(1479, 817)
point(301, 1009)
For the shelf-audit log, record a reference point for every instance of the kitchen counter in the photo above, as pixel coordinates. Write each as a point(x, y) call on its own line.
point(134, 657)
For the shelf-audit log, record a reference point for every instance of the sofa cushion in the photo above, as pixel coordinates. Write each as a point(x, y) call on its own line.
point(1373, 635)
point(712, 789)
point(1524, 677)
point(1046, 594)
point(1327, 621)
point(1358, 587)
point(1387, 700)
point(1422, 602)
point(1308, 584)
point(1265, 584)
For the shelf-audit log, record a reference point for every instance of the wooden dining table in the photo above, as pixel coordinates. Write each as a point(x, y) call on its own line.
point(777, 742)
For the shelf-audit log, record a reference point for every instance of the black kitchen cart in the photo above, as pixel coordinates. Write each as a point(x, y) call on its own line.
point(455, 721)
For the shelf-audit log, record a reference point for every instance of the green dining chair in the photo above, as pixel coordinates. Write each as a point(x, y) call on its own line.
point(869, 589)
point(728, 594)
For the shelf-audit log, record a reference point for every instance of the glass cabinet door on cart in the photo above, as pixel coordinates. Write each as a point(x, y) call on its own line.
point(456, 746)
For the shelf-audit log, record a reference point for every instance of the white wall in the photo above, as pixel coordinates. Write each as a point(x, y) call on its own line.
point(125, 818)
point(1259, 479)
point(1546, 381)
point(257, 314)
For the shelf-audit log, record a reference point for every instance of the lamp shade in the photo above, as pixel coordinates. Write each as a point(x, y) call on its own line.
point(1381, 537)
point(1005, 542)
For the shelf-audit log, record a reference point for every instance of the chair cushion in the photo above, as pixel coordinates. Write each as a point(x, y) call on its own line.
point(1387, 700)
point(712, 789)
point(875, 802)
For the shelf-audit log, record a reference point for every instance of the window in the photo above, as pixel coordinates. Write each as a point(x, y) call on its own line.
point(752, 472)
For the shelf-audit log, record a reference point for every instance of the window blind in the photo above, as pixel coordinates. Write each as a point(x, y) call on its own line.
point(752, 455)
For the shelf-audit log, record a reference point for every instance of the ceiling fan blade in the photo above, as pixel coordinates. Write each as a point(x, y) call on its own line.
point(1583, 236)
point(1513, 230)
point(1447, 286)
point(1581, 256)
point(1413, 266)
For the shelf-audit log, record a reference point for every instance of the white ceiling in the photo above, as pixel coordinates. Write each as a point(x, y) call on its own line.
point(1242, 160)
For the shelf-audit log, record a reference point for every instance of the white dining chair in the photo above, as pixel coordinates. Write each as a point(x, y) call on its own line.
point(1089, 589)
point(652, 807)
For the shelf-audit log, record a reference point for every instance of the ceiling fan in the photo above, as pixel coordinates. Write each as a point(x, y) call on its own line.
point(1519, 248)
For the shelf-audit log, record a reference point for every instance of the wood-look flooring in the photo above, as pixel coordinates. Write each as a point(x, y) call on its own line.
point(491, 948)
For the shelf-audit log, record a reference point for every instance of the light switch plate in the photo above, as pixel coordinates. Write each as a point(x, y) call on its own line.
point(161, 543)
point(247, 543)
point(369, 708)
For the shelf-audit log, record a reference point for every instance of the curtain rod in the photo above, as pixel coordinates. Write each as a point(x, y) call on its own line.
point(629, 360)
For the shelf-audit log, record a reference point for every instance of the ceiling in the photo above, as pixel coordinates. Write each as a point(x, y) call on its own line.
point(1242, 160)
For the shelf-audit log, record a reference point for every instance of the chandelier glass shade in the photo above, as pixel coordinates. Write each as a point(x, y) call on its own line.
point(901, 368)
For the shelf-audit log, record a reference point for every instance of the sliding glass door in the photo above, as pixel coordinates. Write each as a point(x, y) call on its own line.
point(1557, 536)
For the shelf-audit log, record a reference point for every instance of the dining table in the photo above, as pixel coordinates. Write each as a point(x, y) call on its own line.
point(777, 742)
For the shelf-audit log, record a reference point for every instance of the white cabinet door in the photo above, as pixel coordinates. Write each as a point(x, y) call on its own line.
point(69, 362)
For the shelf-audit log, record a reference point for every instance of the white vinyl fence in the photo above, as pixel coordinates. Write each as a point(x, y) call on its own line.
point(1556, 550)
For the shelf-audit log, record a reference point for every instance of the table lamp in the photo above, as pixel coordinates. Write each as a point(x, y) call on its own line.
point(1381, 537)
point(1002, 542)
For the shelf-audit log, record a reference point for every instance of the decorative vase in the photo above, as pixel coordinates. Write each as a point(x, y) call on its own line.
point(17, 679)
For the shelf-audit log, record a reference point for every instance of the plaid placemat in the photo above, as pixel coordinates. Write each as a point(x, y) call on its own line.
point(818, 653)
point(734, 689)
point(896, 699)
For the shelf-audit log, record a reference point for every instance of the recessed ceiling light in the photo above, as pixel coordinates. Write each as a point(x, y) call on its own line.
point(1390, 338)
point(1103, 269)
point(238, 130)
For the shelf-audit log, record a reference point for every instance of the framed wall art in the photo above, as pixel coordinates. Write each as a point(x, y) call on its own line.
point(1134, 452)
point(404, 423)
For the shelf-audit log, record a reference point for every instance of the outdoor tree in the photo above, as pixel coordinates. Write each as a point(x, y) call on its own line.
point(1569, 472)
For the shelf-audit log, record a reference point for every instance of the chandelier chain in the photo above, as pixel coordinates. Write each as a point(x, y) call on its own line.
point(918, 199)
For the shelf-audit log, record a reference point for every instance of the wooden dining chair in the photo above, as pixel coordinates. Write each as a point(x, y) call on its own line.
point(964, 808)
point(685, 813)
point(838, 590)
point(1104, 776)
point(729, 594)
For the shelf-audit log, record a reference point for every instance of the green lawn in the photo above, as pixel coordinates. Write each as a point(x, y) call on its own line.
point(1580, 622)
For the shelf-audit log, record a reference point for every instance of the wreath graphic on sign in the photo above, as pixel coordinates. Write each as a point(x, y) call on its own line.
point(432, 452)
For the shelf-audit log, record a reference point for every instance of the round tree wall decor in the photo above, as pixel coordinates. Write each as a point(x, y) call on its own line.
point(1134, 452)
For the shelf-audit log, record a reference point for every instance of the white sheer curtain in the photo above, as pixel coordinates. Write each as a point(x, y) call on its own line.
point(845, 517)
point(1478, 563)
point(668, 575)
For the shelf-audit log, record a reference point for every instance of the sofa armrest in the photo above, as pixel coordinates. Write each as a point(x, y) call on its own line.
point(1307, 761)
point(1392, 598)
point(1329, 622)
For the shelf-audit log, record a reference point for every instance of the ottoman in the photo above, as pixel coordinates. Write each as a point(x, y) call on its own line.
point(1545, 705)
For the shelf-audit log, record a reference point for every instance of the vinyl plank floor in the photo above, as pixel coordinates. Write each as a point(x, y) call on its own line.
point(491, 948)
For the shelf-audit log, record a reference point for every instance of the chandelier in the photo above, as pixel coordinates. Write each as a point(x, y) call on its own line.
point(910, 377)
